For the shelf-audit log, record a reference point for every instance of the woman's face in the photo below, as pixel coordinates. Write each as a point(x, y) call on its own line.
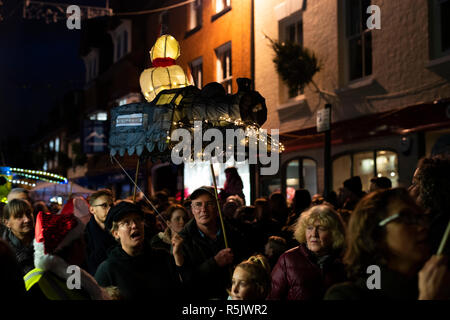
point(318, 238)
point(406, 236)
point(21, 224)
point(242, 288)
point(177, 221)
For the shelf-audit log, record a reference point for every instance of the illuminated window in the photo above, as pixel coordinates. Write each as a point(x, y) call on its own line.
point(195, 15)
point(224, 66)
point(359, 39)
point(222, 5)
point(101, 116)
point(301, 173)
point(196, 68)
point(57, 144)
point(197, 174)
point(366, 165)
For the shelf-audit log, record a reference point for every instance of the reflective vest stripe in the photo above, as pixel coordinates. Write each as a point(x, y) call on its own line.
point(32, 277)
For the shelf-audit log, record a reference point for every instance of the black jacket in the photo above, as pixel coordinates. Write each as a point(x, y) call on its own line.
point(24, 254)
point(98, 242)
point(208, 280)
point(394, 286)
point(151, 275)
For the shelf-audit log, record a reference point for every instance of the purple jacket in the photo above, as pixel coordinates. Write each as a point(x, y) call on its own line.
point(299, 275)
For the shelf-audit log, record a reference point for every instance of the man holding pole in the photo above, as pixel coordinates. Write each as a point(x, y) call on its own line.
point(205, 247)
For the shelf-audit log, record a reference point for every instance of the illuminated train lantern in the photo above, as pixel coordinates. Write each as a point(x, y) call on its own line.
point(145, 128)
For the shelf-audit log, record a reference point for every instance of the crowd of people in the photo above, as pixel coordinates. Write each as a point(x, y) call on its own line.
point(317, 247)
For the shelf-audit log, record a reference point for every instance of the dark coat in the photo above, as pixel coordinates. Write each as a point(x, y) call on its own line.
point(151, 275)
point(158, 243)
point(393, 287)
point(299, 275)
point(208, 280)
point(24, 254)
point(98, 242)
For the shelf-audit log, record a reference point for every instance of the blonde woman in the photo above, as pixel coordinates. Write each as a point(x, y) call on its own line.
point(307, 271)
point(251, 279)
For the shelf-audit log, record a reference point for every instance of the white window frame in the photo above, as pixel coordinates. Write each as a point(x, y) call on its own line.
point(348, 38)
point(285, 21)
point(221, 54)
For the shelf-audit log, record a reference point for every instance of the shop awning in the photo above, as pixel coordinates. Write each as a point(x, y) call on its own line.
point(421, 117)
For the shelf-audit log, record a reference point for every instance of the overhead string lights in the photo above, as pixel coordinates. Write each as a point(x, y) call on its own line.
point(38, 175)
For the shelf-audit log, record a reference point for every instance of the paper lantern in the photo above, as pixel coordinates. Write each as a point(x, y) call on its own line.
point(164, 74)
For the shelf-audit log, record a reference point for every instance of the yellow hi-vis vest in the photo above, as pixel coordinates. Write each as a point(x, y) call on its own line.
point(51, 286)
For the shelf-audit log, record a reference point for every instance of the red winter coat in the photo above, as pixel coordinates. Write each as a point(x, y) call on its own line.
point(298, 276)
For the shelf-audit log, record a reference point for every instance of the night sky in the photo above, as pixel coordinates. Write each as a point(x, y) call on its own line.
point(39, 62)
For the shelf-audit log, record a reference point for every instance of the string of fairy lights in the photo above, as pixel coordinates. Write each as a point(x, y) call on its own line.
point(35, 175)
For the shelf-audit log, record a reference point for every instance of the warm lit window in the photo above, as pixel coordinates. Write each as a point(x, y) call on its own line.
point(101, 116)
point(359, 39)
point(440, 28)
point(301, 173)
point(366, 165)
point(222, 5)
point(196, 68)
point(224, 66)
point(195, 14)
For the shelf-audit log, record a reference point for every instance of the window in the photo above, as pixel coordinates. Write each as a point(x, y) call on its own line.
point(57, 144)
point(440, 28)
point(122, 40)
point(91, 64)
point(196, 68)
point(290, 29)
point(101, 116)
point(359, 39)
point(194, 15)
point(221, 5)
point(366, 165)
point(224, 66)
point(301, 173)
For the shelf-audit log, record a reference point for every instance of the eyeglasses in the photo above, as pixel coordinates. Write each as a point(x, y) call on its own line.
point(407, 219)
point(104, 205)
point(127, 222)
point(199, 205)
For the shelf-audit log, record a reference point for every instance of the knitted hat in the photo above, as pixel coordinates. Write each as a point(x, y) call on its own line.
point(120, 210)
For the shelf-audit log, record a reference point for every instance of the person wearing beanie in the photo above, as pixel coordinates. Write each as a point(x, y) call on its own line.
point(134, 267)
point(58, 252)
point(351, 193)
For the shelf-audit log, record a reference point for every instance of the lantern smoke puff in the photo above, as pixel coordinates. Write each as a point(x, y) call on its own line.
point(168, 76)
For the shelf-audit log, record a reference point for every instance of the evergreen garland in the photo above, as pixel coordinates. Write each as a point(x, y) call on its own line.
point(295, 64)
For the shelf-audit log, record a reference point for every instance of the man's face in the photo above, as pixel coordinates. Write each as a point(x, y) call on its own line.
point(100, 208)
point(204, 210)
point(130, 231)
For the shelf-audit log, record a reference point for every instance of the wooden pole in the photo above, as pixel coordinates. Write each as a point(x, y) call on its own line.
point(135, 180)
point(218, 206)
point(444, 240)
